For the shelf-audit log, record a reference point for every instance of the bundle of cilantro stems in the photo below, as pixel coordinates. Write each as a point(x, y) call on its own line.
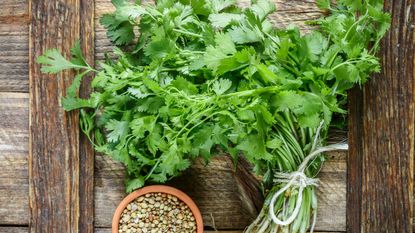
point(206, 74)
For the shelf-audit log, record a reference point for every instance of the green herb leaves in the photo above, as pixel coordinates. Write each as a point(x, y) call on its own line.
point(53, 62)
point(207, 75)
point(121, 23)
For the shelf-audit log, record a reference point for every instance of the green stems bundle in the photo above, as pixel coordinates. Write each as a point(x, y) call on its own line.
point(204, 74)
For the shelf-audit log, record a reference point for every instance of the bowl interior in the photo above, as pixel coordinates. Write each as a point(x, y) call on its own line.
point(158, 189)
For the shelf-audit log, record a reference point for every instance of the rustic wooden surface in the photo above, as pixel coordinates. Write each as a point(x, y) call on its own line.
point(86, 151)
point(14, 42)
point(214, 187)
point(385, 153)
point(57, 185)
point(14, 180)
point(354, 161)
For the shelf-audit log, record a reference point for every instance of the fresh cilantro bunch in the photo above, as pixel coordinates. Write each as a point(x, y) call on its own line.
point(194, 76)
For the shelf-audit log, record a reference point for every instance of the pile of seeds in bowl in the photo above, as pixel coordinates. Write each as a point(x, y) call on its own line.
point(157, 213)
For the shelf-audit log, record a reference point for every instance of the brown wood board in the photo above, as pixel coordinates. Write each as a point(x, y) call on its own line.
point(381, 169)
point(14, 182)
point(14, 43)
point(86, 151)
point(13, 77)
point(56, 186)
point(14, 58)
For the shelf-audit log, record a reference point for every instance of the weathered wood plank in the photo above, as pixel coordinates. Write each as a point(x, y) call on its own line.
point(387, 133)
point(14, 40)
point(354, 161)
point(86, 151)
point(14, 11)
point(14, 68)
point(14, 183)
point(56, 186)
point(102, 43)
point(14, 229)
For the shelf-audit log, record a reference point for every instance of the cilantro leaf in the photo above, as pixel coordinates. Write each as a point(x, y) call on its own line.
point(160, 48)
point(134, 184)
point(214, 55)
point(219, 5)
point(116, 130)
point(244, 34)
point(323, 4)
point(184, 85)
point(222, 20)
point(53, 62)
point(254, 148)
point(263, 8)
point(120, 30)
point(221, 86)
point(140, 126)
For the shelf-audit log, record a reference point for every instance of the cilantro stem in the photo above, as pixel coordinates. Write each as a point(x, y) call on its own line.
point(348, 62)
point(153, 168)
point(354, 24)
point(278, 45)
point(251, 92)
point(187, 33)
point(191, 121)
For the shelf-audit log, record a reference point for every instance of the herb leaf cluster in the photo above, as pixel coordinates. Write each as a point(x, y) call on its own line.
point(207, 74)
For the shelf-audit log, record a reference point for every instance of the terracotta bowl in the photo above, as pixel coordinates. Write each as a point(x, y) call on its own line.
point(158, 189)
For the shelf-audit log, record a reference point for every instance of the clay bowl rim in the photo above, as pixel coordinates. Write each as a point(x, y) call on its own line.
point(158, 189)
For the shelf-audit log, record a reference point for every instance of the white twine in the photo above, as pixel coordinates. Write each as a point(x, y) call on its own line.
point(300, 180)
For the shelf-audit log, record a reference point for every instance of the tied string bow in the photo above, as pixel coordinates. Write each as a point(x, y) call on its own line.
point(298, 179)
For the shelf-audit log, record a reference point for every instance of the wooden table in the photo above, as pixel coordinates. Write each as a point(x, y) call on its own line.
point(56, 183)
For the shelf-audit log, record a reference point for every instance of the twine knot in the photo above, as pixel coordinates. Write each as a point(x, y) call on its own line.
point(298, 179)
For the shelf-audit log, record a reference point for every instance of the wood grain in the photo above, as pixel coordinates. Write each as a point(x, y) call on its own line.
point(86, 151)
point(387, 133)
point(56, 186)
point(226, 205)
point(10, 229)
point(14, 183)
point(14, 58)
point(354, 161)
point(14, 12)
point(14, 41)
